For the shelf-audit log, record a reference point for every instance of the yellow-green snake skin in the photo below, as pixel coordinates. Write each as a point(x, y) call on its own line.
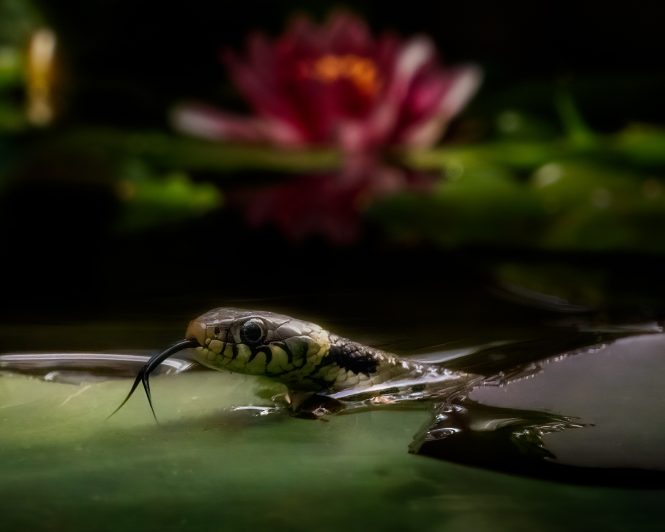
point(302, 355)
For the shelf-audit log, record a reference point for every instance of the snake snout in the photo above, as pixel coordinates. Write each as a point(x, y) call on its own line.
point(196, 330)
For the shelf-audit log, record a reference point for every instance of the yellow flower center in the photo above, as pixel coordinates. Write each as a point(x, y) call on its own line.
point(361, 71)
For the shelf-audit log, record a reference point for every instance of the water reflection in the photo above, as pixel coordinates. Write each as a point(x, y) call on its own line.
point(78, 368)
point(517, 442)
point(589, 416)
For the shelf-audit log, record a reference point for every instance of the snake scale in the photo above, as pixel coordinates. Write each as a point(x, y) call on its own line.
point(302, 355)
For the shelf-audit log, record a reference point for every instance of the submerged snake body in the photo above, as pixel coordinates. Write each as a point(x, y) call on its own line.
point(302, 355)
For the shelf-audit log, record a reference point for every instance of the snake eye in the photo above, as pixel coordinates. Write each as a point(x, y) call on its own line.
point(252, 332)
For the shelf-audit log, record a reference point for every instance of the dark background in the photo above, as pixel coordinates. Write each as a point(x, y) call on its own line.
point(137, 56)
point(126, 62)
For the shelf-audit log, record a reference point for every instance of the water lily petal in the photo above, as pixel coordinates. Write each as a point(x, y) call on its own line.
point(412, 57)
point(466, 81)
point(212, 124)
point(347, 33)
point(454, 91)
point(416, 54)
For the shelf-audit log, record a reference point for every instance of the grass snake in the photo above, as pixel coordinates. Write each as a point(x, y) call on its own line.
point(301, 355)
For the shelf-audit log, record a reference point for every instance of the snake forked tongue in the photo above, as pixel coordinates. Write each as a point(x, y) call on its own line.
point(143, 376)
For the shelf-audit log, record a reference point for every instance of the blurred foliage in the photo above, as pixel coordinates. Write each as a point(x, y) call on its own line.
point(478, 205)
point(10, 68)
point(168, 151)
point(154, 200)
point(12, 117)
point(641, 145)
point(17, 19)
point(582, 192)
point(574, 192)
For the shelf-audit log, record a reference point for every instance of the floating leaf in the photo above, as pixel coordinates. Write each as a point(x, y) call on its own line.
point(151, 201)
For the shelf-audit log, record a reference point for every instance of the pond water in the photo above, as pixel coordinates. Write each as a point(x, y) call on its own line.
point(565, 431)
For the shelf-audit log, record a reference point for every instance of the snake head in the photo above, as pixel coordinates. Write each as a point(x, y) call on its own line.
point(253, 342)
point(259, 343)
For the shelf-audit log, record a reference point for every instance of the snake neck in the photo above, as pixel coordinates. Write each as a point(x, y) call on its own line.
point(349, 364)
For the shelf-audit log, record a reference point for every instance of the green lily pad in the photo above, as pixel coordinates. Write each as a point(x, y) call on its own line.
point(642, 145)
point(596, 207)
point(153, 201)
point(206, 467)
point(479, 205)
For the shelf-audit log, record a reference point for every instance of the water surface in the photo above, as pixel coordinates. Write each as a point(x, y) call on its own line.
point(210, 466)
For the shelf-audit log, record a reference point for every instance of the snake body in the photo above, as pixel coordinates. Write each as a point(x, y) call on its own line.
point(302, 355)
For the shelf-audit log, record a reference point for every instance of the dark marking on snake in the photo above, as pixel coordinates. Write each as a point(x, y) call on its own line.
point(262, 349)
point(266, 349)
point(353, 357)
point(287, 350)
point(325, 361)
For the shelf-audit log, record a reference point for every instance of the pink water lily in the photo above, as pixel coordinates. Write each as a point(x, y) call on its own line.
point(335, 84)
